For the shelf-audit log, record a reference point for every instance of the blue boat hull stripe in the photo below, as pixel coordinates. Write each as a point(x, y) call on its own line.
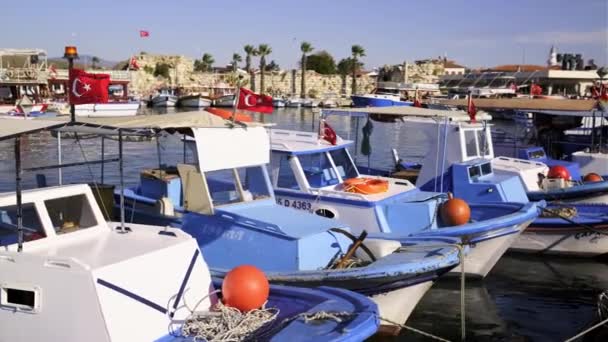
point(184, 282)
point(132, 295)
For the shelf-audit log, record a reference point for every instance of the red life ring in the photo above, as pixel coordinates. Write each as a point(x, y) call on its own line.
point(365, 186)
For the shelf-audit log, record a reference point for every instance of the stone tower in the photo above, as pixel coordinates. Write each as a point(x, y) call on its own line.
point(552, 57)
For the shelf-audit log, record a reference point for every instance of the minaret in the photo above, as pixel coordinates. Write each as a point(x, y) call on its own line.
point(552, 57)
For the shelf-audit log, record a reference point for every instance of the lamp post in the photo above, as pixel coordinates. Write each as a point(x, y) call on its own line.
point(71, 53)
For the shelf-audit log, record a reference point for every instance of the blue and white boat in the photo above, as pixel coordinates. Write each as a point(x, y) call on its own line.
point(226, 202)
point(380, 97)
point(460, 159)
point(311, 174)
point(75, 277)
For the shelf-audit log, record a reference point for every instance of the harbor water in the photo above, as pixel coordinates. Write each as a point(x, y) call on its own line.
point(525, 298)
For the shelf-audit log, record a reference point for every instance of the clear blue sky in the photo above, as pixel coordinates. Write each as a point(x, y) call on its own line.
point(472, 32)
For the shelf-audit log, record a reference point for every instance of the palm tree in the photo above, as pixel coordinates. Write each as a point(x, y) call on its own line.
point(305, 47)
point(236, 58)
point(94, 62)
point(207, 61)
point(357, 51)
point(344, 67)
point(263, 51)
point(249, 51)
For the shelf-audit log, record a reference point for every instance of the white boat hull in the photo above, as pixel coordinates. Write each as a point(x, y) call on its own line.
point(164, 101)
point(107, 109)
point(575, 242)
point(397, 306)
point(198, 102)
point(483, 256)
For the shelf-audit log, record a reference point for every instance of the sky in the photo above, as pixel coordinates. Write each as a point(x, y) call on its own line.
point(474, 33)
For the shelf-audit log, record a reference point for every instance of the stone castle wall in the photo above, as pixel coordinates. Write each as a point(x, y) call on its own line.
point(182, 75)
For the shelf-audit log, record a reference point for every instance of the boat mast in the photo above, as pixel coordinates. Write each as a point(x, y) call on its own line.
point(18, 193)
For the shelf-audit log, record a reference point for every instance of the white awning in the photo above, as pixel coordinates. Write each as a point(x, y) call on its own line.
point(13, 127)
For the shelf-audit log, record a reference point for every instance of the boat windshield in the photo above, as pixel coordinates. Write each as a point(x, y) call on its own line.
point(32, 228)
point(318, 170)
point(70, 213)
point(243, 184)
point(345, 166)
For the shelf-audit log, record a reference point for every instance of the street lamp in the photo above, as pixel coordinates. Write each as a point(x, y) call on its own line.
point(71, 53)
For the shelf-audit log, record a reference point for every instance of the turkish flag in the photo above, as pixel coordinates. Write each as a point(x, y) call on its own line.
point(144, 34)
point(88, 88)
point(471, 109)
point(251, 101)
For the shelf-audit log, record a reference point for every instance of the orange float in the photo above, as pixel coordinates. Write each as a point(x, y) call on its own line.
point(366, 186)
point(245, 288)
point(592, 177)
point(226, 114)
point(455, 211)
point(559, 171)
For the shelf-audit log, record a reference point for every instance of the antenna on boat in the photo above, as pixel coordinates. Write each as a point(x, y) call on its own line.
point(236, 99)
point(71, 53)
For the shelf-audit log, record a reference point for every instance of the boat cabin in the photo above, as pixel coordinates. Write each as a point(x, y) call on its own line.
point(303, 162)
point(80, 278)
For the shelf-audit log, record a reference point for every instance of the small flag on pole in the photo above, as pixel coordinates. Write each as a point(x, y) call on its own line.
point(471, 109)
point(144, 33)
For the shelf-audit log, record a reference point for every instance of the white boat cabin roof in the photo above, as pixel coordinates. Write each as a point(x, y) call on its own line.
point(409, 111)
point(298, 142)
point(66, 224)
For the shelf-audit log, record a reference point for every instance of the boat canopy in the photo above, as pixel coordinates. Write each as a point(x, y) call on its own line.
point(11, 128)
point(546, 106)
point(297, 142)
point(408, 111)
point(130, 125)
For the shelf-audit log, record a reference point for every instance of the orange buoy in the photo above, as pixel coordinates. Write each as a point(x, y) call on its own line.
point(245, 287)
point(455, 211)
point(226, 114)
point(559, 171)
point(592, 177)
point(365, 186)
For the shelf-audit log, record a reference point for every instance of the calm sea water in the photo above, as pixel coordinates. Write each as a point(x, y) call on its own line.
point(524, 298)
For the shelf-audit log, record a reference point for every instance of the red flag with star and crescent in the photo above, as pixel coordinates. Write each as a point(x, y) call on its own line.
point(248, 100)
point(88, 88)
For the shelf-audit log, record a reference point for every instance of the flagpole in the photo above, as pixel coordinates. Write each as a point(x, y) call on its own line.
point(70, 53)
point(237, 94)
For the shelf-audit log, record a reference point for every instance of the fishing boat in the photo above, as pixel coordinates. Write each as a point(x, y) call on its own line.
point(294, 102)
point(224, 101)
point(194, 101)
point(380, 97)
point(330, 100)
point(310, 103)
point(164, 98)
point(229, 206)
point(313, 174)
point(461, 160)
point(60, 258)
point(111, 109)
point(278, 102)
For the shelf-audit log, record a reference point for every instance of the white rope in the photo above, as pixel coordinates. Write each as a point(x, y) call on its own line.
point(418, 331)
point(601, 311)
point(227, 324)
